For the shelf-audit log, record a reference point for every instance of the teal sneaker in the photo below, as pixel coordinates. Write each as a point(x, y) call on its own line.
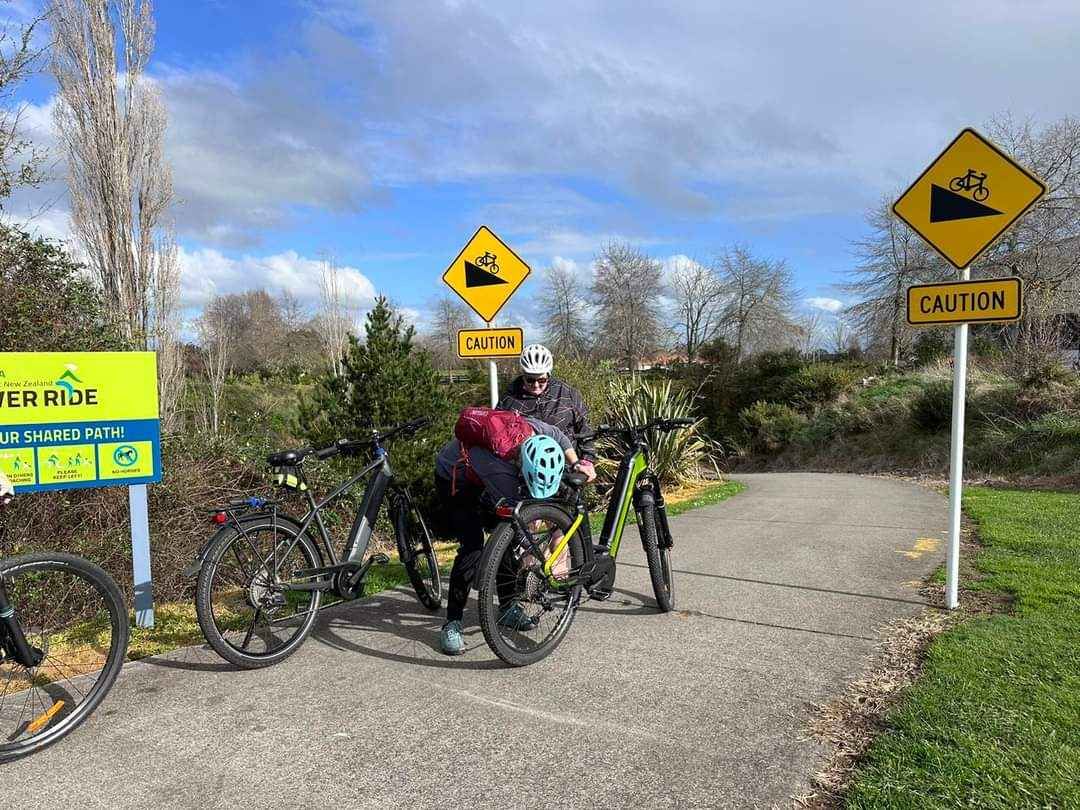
point(514, 617)
point(451, 640)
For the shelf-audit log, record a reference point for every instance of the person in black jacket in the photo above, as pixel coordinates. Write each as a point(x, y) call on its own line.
point(536, 394)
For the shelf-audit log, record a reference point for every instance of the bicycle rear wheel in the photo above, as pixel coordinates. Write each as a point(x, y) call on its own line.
point(417, 553)
point(246, 615)
point(71, 613)
point(523, 614)
point(659, 559)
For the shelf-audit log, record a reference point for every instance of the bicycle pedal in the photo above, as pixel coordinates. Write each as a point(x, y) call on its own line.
point(379, 559)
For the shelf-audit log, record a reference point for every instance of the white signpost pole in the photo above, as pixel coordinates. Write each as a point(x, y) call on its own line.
point(956, 459)
point(494, 372)
point(140, 555)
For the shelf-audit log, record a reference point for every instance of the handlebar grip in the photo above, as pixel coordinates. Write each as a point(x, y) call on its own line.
point(332, 450)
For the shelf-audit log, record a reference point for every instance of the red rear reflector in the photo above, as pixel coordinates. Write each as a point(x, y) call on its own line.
point(219, 517)
point(504, 511)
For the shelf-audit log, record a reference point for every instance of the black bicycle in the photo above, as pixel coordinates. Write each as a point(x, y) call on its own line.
point(262, 576)
point(540, 562)
point(63, 639)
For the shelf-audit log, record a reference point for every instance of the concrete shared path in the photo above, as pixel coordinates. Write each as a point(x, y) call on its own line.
point(781, 593)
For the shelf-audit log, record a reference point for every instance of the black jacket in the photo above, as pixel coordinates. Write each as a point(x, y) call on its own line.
point(559, 405)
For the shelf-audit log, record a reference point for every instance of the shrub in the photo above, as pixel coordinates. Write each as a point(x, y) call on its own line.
point(816, 384)
point(932, 345)
point(932, 409)
point(770, 426)
point(679, 456)
point(47, 303)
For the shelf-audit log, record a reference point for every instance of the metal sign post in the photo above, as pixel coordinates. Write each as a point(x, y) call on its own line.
point(140, 555)
point(494, 375)
point(956, 458)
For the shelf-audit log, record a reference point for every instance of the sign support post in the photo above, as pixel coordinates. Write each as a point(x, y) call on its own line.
point(494, 376)
point(140, 555)
point(956, 457)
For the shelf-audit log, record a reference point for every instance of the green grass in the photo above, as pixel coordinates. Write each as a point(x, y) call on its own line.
point(994, 720)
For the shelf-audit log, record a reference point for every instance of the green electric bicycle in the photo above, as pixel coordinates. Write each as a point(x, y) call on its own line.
point(541, 562)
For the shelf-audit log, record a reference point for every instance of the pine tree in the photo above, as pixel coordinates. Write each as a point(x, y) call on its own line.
point(385, 380)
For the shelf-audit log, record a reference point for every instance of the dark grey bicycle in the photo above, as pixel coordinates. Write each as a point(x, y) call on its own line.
point(262, 576)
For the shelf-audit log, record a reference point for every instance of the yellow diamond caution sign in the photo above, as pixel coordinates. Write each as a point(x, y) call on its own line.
point(486, 273)
point(967, 198)
point(997, 299)
point(490, 342)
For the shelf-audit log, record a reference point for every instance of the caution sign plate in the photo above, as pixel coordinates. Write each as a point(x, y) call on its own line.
point(490, 342)
point(486, 273)
point(967, 198)
point(998, 299)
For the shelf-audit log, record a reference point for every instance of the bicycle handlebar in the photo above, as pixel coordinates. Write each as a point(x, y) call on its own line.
point(377, 438)
point(661, 424)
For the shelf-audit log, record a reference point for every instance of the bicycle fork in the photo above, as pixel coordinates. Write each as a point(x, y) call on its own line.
point(19, 649)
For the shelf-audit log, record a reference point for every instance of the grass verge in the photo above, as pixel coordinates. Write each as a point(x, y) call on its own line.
point(994, 719)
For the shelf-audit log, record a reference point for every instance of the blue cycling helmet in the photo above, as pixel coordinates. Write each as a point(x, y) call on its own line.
point(542, 464)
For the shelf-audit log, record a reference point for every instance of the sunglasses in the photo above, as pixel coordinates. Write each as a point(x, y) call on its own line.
point(534, 382)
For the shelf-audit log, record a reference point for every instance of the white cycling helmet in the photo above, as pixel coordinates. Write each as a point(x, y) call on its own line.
point(536, 359)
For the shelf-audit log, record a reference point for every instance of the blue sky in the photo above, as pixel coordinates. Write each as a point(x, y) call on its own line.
point(384, 133)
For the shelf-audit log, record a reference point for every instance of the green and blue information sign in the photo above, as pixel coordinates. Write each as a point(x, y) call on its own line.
point(80, 419)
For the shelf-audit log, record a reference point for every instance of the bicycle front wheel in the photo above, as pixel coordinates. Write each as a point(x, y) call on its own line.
point(73, 617)
point(523, 613)
point(417, 553)
point(246, 614)
point(659, 558)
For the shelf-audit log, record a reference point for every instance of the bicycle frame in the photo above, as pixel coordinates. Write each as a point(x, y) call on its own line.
point(632, 469)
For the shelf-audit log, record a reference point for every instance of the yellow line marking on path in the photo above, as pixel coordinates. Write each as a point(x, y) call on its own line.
point(922, 546)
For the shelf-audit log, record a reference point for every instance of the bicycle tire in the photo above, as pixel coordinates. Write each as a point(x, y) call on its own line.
point(503, 540)
point(204, 608)
point(659, 559)
point(428, 585)
point(113, 602)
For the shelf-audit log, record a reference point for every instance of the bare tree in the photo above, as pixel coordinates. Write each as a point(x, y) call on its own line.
point(699, 296)
point(810, 328)
point(291, 310)
point(626, 289)
point(336, 315)
point(1043, 247)
point(891, 258)
point(111, 123)
point(759, 296)
point(20, 162)
point(217, 337)
point(448, 316)
point(562, 307)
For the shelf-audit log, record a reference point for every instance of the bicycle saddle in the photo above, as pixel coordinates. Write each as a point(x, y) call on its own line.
point(575, 479)
point(286, 458)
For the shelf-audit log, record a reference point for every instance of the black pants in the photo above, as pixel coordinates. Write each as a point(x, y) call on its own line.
point(464, 516)
point(467, 516)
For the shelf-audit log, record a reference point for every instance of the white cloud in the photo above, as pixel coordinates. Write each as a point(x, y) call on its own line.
point(207, 272)
point(828, 304)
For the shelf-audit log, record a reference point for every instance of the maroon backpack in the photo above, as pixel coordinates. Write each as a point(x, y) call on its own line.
point(501, 432)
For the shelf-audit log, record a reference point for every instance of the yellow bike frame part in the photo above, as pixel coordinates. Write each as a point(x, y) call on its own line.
point(549, 563)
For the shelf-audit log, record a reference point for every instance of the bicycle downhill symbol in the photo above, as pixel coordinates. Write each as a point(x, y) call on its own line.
point(974, 182)
point(487, 261)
